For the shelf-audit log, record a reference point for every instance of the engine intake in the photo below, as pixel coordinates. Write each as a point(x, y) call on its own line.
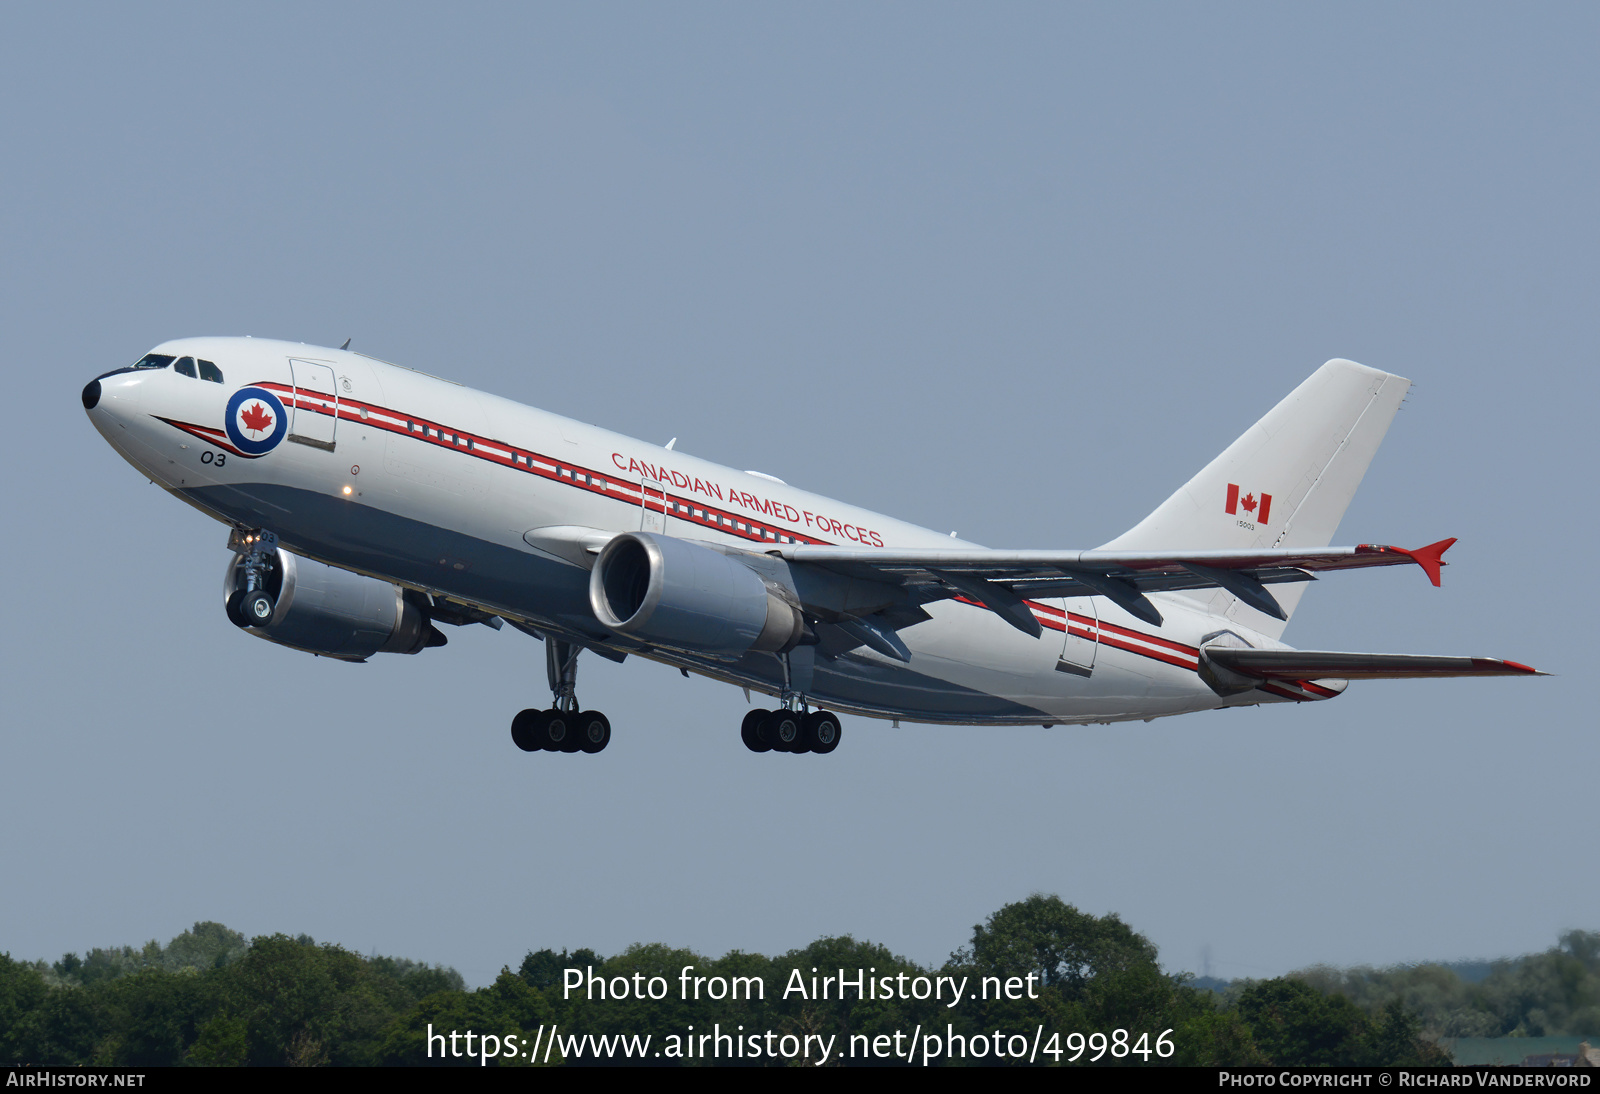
point(334, 613)
point(670, 592)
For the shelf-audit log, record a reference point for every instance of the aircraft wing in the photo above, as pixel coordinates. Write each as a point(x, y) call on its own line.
point(1325, 665)
point(1002, 580)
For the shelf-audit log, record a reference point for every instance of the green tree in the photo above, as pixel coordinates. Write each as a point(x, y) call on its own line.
point(204, 946)
point(151, 1018)
point(507, 1008)
point(22, 993)
point(223, 1041)
point(1089, 974)
point(1063, 947)
point(1215, 1038)
point(1297, 1026)
point(544, 969)
point(306, 1004)
point(63, 1030)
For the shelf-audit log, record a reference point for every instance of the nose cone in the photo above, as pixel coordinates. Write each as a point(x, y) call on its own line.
point(91, 395)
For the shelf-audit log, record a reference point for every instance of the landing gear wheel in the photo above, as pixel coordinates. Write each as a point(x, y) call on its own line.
point(538, 724)
point(524, 730)
point(750, 731)
point(782, 728)
point(235, 616)
point(257, 608)
point(820, 731)
point(561, 731)
point(594, 731)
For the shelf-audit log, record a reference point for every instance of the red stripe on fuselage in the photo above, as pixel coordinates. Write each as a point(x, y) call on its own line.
point(689, 509)
point(1154, 655)
point(205, 433)
point(522, 459)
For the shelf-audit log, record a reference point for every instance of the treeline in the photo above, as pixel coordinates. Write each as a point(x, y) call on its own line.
point(1041, 981)
point(1552, 994)
point(210, 998)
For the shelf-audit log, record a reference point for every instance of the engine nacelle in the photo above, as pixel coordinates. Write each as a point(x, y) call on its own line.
point(673, 593)
point(335, 613)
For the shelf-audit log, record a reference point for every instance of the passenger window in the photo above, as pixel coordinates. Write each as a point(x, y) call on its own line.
point(209, 371)
point(185, 365)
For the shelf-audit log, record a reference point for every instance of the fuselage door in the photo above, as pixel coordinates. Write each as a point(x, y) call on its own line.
point(653, 506)
point(316, 413)
point(1082, 639)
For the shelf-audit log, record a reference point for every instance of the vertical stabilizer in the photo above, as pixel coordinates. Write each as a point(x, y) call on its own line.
point(1285, 483)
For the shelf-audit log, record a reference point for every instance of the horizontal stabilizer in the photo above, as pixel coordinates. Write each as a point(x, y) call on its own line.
point(1325, 665)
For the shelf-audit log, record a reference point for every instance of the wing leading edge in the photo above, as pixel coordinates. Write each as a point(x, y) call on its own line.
point(1230, 670)
point(1327, 665)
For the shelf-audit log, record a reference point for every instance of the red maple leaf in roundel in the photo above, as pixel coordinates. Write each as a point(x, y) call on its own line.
point(255, 418)
point(1249, 503)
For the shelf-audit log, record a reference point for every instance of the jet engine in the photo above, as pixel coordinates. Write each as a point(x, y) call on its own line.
point(332, 612)
point(670, 592)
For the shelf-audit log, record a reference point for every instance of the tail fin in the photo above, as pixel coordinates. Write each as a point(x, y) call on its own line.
point(1285, 483)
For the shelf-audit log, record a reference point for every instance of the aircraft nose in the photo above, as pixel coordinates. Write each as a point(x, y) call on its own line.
point(91, 395)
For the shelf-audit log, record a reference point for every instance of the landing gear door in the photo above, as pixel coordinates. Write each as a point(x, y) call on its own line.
point(1082, 639)
point(653, 501)
point(316, 413)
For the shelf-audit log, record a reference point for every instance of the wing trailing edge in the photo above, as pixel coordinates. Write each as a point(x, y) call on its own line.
point(1003, 580)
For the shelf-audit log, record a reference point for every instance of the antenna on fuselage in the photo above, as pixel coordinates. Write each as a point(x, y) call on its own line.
point(346, 344)
point(671, 443)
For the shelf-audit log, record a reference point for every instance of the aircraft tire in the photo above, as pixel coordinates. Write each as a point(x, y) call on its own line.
point(523, 730)
point(538, 731)
point(594, 731)
point(750, 731)
point(235, 616)
point(820, 731)
point(561, 731)
point(257, 608)
point(782, 728)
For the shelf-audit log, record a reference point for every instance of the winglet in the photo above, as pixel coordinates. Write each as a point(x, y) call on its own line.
point(1431, 557)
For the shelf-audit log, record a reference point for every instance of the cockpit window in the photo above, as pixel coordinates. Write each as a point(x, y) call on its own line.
point(185, 366)
point(153, 360)
point(209, 371)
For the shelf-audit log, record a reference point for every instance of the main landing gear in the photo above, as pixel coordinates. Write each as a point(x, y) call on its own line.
point(792, 727)
point(785, 730)
point(562, 728)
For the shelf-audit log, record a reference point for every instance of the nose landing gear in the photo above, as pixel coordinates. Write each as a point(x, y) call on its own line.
point(253, 605)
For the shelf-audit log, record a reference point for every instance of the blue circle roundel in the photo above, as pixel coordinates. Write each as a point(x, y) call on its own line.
point(256, 421)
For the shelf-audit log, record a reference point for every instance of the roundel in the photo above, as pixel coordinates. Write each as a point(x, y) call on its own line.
point(256, 421)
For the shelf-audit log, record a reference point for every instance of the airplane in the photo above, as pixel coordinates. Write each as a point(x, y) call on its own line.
point(368, 502)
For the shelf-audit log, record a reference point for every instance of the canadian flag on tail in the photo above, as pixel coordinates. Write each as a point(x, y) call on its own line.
point(1255, 507)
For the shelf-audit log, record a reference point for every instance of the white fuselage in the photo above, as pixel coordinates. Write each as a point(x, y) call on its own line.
point(421, 481)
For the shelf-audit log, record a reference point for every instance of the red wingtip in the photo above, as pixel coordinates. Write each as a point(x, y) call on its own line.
point(1431, 557)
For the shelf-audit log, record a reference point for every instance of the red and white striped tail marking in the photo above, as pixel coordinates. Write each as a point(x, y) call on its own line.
point(1257, 509)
